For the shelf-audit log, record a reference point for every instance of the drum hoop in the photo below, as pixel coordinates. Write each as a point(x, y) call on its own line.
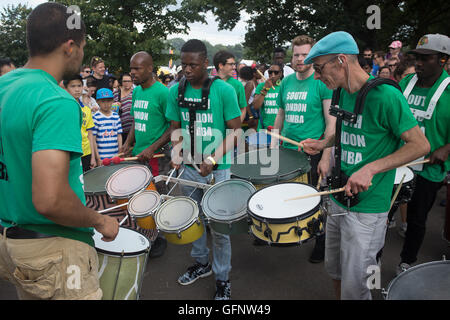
point(412, 269)
point(127, 196)
point(126, 254)
point(188, 225)
point(154, 209)
point(242, 214)
point(283, 220)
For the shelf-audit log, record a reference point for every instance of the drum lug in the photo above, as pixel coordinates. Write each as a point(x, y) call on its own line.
point(299, 231)
point(179, 235)
point(384, 293)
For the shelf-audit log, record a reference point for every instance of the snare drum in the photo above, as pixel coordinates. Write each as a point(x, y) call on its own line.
point(121, 264)
point(142, 207)
point(225, 206)
point(178, 218)
point(407, 189)
point(267, 166)
point(427, 281)
point(277, 221)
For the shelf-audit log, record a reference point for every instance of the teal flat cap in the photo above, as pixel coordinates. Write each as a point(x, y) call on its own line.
point(339, 42)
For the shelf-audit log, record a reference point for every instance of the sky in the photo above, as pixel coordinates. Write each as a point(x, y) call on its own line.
point(199, 31)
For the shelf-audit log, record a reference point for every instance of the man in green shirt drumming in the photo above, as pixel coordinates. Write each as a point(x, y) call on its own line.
point(150, 130)
point(46, 245)
point(303, 113)
point(213, 122)
point(428, 96)
point(370, 152)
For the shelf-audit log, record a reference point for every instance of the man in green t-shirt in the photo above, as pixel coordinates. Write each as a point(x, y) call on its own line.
point(214, 126)
point(49, 252)
point(428, 96)
point(149, 132)
point(370, 152)
point(304, 113)
point(225, 64)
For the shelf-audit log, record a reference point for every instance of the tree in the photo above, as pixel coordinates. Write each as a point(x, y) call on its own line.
point(13, 21)
point(117, 29)
point(276, 23)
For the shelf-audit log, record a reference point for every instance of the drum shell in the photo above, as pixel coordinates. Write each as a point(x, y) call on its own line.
point(188, 235)
point(406, 191)
point(238, 226)
point(283, 230)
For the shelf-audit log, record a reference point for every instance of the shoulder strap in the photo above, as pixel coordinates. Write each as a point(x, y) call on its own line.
point(362, 94)
point(410, 86)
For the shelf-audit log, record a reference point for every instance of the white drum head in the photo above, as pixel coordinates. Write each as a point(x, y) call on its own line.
point(270, 203)
point(127, 181)
point(399, 172)
point(128, 241)
point(176, 214)
point(144, 203)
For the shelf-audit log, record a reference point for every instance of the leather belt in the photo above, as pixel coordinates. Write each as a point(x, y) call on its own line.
point(19, 233)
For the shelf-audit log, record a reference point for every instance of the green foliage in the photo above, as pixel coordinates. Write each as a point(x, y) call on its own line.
point(13, 33)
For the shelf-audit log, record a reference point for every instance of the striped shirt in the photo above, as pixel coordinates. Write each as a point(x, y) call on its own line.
point(124, 110)
point(105, 132)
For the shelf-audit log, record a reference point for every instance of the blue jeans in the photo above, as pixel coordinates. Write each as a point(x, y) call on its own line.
point(221, 265)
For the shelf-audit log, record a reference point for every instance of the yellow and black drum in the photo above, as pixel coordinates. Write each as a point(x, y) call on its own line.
point(266, 166)
point(280, 222)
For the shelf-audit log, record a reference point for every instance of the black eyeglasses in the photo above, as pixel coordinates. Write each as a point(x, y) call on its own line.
point(231, 63)
point(275, 72)
point(318, 68)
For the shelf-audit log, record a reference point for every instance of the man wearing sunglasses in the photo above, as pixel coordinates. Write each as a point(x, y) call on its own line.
point(304, 113)
point(370, 152)
point(428, 96)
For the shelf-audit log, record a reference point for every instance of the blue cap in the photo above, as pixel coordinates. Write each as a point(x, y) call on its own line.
point(339, 42)
point(104, 93)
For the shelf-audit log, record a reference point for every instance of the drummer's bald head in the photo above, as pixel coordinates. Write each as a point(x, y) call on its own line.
point(142, 58)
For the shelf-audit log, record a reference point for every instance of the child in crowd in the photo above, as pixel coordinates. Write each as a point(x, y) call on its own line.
point(108, 128)
point(87, 98)
point(74, 86)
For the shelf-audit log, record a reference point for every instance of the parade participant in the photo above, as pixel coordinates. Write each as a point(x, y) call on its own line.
point(149, 132)
point(279, 55)
point(304, 113)
point(218, 113)
point(428, 96)
point(45, 226)
point(266, 96)
point(370, 152)
point(225, 64)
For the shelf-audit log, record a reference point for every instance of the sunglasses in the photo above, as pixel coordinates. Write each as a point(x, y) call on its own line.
point(392, 65)
point(275, 72)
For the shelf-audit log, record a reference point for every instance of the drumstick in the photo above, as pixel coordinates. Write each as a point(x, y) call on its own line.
point(396, 192)
point(123, 220)
point(318, 183)
point(112, 208)
point(117, 160)
point(318, 194)
point(259, 72)
point(276, 135)
point(414, 163)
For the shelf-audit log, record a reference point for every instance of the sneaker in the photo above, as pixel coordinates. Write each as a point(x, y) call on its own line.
point(158, 247)
point(392, 224)
point(223, 290)
point(402, 267)
point(195, 272)
point(402, 230)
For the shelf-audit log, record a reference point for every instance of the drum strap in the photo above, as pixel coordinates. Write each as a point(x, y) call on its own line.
point(193, 106)
point(338, 179)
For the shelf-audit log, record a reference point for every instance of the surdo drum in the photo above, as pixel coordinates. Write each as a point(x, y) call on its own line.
point(277, 221)
point(266, 166)
point(407, 189)
point(121, 264)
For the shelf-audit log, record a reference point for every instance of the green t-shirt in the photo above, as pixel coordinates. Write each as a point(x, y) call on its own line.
point(36, 114)
point(210, 124)
point(436, 129)
point(240, 91)
point(269, 108)
point(375, 135)
point(148, 110)
point(301, 101)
